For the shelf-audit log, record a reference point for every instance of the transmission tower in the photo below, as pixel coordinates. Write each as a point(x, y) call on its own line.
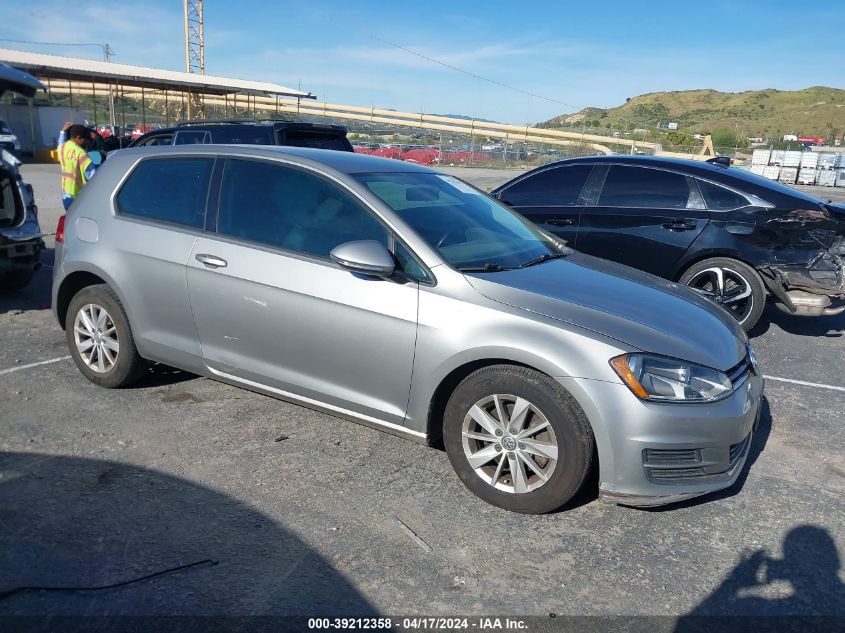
point(194, 52)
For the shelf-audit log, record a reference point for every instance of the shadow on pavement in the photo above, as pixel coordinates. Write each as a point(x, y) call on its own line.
point(788, 591)
point(74, 522)
point(36, 295)
point(830, 326)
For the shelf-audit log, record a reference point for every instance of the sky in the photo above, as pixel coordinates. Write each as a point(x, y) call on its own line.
point(554, 57)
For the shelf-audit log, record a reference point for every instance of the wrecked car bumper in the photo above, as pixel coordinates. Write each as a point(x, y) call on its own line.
point(815, 287)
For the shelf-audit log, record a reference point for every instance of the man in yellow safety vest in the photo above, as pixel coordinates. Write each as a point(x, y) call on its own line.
point(77, 167)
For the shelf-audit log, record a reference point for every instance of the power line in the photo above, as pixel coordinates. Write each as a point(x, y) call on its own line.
point(3, 39)
point(473, 75)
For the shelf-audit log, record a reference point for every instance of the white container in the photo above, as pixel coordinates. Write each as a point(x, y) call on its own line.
point(840, 178)
point(807, 176)
point(761, 157)
point(825, 178)
point(827, 161)
point(757, 169)
point(771, 172)
point(809, 159)
point(791, 159)
point(777, 157)
point(788, 175)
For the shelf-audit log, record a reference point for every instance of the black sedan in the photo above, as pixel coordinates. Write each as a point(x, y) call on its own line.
point(729, 234)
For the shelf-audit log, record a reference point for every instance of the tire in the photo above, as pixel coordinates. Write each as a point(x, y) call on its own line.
point(738, 280)
point(15, 280)
point(114, 361)
point(492, 480)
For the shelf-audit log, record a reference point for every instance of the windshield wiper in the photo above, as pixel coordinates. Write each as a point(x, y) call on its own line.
point(542, 258)
point(486, 268)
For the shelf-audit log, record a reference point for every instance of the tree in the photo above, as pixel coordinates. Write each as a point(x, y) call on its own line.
point(724, 137)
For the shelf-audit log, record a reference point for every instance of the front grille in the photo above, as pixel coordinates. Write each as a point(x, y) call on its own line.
point(7, 145)
point(652, 456)
point(693, 465)
point(739, 372)
point(738, 450)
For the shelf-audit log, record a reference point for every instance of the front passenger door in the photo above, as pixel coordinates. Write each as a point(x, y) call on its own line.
point(551, 199)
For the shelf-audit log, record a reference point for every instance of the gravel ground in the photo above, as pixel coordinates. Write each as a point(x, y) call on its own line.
point(307, 514)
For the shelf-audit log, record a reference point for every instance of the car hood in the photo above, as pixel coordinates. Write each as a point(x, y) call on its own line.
point(646, 312)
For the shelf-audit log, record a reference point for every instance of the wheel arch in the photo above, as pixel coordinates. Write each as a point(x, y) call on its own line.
point(686, 264)
point(74, 282)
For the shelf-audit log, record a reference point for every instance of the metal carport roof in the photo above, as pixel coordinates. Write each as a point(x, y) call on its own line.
point(79, 69)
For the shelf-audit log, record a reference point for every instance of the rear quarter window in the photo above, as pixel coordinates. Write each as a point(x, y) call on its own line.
point(172, 190)
point(721, 199)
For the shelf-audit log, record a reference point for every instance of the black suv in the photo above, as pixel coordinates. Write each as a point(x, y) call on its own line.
point(731, 235)
point(251, 132)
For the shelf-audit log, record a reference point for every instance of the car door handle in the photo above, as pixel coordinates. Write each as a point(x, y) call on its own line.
point(680, 225)
point(211, 261)
point(560, 221)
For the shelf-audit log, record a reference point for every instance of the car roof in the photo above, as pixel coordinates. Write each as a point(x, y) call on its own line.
point(343, 162)
point(769, 190)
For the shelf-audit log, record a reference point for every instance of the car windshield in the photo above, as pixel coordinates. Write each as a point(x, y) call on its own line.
point(470, 230)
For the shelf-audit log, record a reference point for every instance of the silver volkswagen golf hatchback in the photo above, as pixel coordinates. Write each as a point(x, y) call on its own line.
point(399, 297)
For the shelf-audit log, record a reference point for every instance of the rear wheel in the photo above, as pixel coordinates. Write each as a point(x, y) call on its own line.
point(100, 339)
point(517, 439)
point(730, 284)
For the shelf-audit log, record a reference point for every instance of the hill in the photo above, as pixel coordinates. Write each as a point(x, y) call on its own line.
point(813, 111)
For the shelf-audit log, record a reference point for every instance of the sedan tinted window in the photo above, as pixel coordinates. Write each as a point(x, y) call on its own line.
point(292, 209)
point(719, 198)
point(644, 188)
point(552, 187)
point(168, 190)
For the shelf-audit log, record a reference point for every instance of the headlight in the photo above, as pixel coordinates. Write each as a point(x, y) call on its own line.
point(16, 142)
point(663, 379)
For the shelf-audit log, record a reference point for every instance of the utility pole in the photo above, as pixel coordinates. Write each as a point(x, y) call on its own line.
point(107, 53)
point(194, 51)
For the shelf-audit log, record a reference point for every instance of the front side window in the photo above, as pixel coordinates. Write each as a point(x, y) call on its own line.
point(467, 228)
point(558, 186)
point(172, 190)
point(289, 208)
point(644, 188)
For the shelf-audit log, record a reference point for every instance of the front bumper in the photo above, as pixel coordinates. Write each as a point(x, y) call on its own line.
point(654, 454)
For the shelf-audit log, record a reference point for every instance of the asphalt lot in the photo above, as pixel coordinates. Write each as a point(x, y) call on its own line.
point(308, 514)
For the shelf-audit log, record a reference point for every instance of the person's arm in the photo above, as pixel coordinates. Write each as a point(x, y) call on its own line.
point(86, 169)
point(63, 134)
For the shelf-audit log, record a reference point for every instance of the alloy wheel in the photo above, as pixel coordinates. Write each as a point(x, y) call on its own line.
point(509, 443)
point(726, 288)
point(95, 336)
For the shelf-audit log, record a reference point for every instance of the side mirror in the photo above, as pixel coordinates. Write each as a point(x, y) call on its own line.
point(366, 257)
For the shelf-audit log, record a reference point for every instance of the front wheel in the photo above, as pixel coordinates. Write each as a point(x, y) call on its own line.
point(517, 439)
point(730, 284)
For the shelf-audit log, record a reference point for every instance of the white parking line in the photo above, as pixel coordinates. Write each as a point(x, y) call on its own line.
point(805, 383)
point(42, 362)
